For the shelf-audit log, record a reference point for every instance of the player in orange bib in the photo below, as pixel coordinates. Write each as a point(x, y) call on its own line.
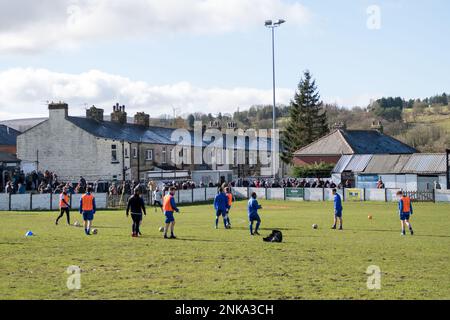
point(64, 206)
point(87, 209)
point(230, 202)
point(405, 211)
point(169, 206)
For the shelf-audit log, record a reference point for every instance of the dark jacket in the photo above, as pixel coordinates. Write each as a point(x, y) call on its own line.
point(136, 205)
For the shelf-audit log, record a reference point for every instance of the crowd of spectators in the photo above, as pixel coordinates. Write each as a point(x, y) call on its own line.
point(127, 187)
point(42, 182)
point(48, 182)
point(290, 183)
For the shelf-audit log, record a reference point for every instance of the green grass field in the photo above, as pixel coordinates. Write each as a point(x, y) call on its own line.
point(205, 263)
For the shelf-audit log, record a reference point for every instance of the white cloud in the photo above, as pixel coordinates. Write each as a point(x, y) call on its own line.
point(361, 100)
point(24, 94)
point(30, 25)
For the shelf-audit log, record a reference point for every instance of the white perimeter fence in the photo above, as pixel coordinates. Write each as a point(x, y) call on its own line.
point(45, 202)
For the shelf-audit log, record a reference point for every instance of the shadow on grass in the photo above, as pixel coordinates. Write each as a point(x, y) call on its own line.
point(106, 227)
point(269, 229)
point(398, 231)
point(370, 230)
point(12, 243)
point(430, 236)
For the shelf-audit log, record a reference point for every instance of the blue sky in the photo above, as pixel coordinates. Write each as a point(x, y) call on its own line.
point(199, 62)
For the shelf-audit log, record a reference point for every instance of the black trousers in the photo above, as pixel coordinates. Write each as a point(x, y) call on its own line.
point(137, 218)
point(61, 214)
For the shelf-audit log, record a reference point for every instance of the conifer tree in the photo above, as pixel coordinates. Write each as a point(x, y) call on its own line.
point(307, 118)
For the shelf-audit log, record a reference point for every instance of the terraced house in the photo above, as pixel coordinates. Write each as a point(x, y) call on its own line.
point(97, 149)
point(112, 150)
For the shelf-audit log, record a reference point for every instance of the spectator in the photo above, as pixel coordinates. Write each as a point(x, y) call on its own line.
point(9, 188)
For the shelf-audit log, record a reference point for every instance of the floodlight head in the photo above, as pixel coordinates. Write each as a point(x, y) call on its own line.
point(268, 23)
point(280, 21)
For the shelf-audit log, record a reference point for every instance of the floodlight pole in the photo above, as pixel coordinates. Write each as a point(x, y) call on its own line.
point(447, 152)
point(273, 25)
point(273, 79)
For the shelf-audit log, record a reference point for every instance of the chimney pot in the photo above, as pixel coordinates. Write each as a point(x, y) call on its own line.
point(118, 115)
point(58, 109)
point(142, 119)
point(95, 113)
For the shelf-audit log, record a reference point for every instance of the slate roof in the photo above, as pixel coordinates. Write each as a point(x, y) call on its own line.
point(152, 135)
point(126, 132)
point(355, 142)
point(8, 136)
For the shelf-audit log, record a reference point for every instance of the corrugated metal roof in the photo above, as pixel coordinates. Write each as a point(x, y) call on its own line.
point(358, 163)
point(342, 163)
point(386, 164)
point(426, 163)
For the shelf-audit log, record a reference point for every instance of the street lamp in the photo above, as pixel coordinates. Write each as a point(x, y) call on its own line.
point(272, 25)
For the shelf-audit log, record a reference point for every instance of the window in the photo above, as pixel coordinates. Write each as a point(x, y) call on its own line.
point(164, 155)
point(135, 153)
point(114, 153)
point(149, 155)
point(125, 152)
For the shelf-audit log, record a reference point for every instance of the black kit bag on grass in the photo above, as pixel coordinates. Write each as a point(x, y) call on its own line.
point(275, 236)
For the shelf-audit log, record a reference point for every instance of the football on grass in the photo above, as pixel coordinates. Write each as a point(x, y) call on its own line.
point(315, 226)
point(161, 229)
point(94, 231)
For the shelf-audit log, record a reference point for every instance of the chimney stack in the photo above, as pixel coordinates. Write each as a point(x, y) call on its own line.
point(214, 125)
point(142, 119)
point(95, 113)
point(231, 125)
point(378, 126)
point(119, 115)
point(58, 110)
point(339, 126)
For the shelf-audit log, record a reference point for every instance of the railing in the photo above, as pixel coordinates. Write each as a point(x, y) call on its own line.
point(422, 196)
point(46, 202)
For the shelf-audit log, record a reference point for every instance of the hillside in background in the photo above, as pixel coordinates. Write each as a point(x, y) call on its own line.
point(423, 124)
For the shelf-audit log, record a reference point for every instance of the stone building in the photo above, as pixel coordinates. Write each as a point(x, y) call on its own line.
point(115, 150)
point(97, 149)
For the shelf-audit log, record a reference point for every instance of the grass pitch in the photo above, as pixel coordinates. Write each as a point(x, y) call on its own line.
point(205, 263)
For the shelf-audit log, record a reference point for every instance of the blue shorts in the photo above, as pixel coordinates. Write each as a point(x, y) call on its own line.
point(338, 213)
point(220, 213)
point(88, 215)
point(254, 217)
point(405, 216)
point(169, 217)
